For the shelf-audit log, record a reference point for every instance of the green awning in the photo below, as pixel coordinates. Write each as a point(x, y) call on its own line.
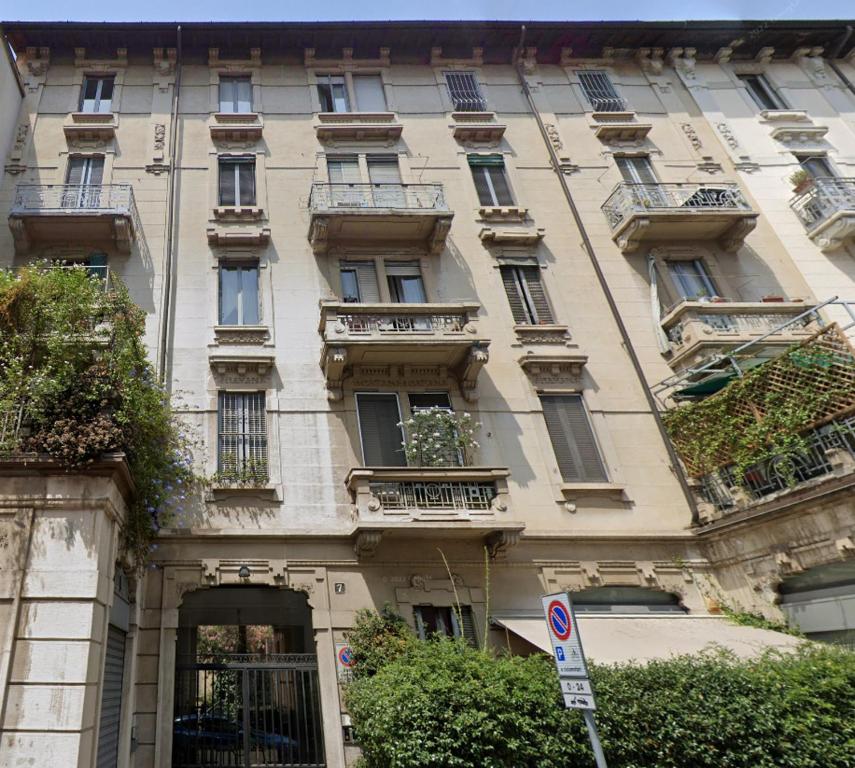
point(706, 387)
point(496, 161)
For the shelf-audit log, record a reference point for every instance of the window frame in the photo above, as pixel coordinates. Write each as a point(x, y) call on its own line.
point(237, 161)
point(244, 437)
point(241, 267)
point(820, 157)
point(101, 79)
point(348, 261)
point(456, 630)
point(235, 101)
point(478, 98)
point(702, 272)
point(583, 479)
point(524, 294)
point(610, 97)
point(759, 87)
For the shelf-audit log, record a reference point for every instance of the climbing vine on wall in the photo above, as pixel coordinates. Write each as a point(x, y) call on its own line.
point(76, 383)
point(766, 412)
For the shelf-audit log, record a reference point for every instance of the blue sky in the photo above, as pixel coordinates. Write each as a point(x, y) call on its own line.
point(336, 10)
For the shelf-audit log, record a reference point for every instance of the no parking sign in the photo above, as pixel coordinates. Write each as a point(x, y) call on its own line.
point(566, 646)
point(344, 661)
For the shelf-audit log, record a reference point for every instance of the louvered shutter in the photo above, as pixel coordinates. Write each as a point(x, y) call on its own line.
point(572, 439)
point(381, 436)
point(227, 183)
point(369, 93)
point(536, 294)
point(111, 699)
point(75, 170)
point(510, 280)
point(467, 631)
point(256, 431)
point(246, 181)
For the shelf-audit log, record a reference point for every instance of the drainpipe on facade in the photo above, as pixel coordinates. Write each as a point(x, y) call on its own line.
point(676, 468)
point(837, 51)
point(168, 292)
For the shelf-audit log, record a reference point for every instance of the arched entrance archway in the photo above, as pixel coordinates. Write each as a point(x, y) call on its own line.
point(246, 681)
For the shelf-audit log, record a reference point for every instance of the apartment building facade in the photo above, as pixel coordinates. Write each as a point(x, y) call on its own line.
point(333, 228)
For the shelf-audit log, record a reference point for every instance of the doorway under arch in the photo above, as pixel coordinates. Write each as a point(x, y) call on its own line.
point(246, 681)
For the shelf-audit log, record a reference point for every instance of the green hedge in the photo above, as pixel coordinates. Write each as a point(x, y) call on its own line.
point(442, 703)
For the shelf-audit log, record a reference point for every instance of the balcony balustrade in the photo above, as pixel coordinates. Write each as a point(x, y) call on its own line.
point(663, 212)
point(70, 213)
point(448, 502)
point(437, 336)
point(362, 213)
point(827, 210)
point(697, 330)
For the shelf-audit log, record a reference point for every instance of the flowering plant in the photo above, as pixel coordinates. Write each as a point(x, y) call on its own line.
point(438, 437)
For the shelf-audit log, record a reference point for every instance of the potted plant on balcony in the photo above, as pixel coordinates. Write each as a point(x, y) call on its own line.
point(801, 181)
point(438, 437)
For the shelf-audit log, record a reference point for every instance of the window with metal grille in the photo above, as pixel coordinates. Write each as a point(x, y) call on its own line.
point(332, 92)
point(526, 295)
point(600, 92)
point(434, 620)
point(97, 94)
point(572, 439)
point(239, 294)
point(242, 428)
point(491, 183)
point(464, 92)
point(762, 93)
point(237, 181)
point(235, 94)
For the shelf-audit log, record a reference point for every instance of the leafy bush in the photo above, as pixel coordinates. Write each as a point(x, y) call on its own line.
point(378, 638)
point(443, 703)
point(437, 437)
point(75, 383)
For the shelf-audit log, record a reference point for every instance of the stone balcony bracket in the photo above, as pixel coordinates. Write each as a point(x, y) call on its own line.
point(554, 371)
point(503, 213)
point(224, 235)
point(242, 365)
point(511, 235)
point(801, 133)
point(835, 231)
point(238, 213)
point(236, 127)
point(785, 115)
point(85, 127)
point(358, 126)
point(621, 134)
point(544, 333)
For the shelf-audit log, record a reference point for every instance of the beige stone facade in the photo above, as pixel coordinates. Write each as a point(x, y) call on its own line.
point(371, 152)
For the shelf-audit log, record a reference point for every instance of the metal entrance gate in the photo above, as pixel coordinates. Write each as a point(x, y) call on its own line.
point(248, 711)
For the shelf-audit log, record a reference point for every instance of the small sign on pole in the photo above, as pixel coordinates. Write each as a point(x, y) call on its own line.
point(570, 664)
point(344, 662)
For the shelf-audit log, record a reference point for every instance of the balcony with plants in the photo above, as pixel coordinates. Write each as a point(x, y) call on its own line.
point(406, 214)
point(780, 430)
point(638, 213)
point(440, 491)
point(51, 214)
point(826, 208)
point(78, 393)
point(446, 335)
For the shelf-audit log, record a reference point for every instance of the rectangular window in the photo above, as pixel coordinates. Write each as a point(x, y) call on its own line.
point(359, 282)
point(421, 401)
point(816, 165)
point(405, 282)
point(572, 439)
point(636, 169)
point(763, 94)
point(242, 428)
point(379, 416)
point(83, 183)
point(370, 96)
point(691, 279)
point(96, 94)
point(235, 95)
point(237, 181)
point(464, 92)
point(435, 620)
point(488, 172)
point(385, 176)
point(343, 170)
point(600, 92)
point(526, 295)
point(239, 294)
point(332, 92)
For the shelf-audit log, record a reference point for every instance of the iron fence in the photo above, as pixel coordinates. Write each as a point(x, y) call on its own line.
point(328, 196)
point(101, 198)
point(402, 323)
point(825, 197)
point(630, 198)
point(434, 495)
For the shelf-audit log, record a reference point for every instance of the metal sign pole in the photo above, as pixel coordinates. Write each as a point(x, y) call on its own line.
point(595, 738)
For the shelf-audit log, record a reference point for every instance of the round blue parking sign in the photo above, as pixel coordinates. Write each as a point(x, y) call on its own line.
point(559, 620)
point(345, 656)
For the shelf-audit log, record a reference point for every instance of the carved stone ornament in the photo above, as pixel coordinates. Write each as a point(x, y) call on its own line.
point(692, 136)
point(499, 542)
point(554, 370)
point(727, 135)
point(120, 62)
point(366, 542)
point(650, 60)
point(554, 136)
point(215, 62)
point(165, 60)
point(37, 61)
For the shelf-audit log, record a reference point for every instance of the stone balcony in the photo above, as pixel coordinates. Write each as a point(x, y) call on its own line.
point(446, 502)
point(236, 126)
point(637, 213)
point(697, 330)
point(335, 127)
point(57, 214)
point(362, 214)
point(827, 211)
point(439, 337)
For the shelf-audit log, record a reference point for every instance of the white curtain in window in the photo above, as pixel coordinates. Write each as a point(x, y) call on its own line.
point(656, 306)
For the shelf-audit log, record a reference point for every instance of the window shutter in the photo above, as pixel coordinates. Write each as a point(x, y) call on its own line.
point(500, 186)
point(369, 93)
point(227, 183)
point(403, 268)
point(366, 277)
point(242, 421)
point(75, 171)
point(381, 435)
point(343, 171)
point(493, 161)
point(572, 439)
point(111, 698)
point(256, 429)
point(515, 298)
point(246, 173)
point(482, 187)
point(384, 170)
point(467, 631)
point(537, 294)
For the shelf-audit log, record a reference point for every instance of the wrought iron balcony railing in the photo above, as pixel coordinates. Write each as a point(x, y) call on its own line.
point(824, 198)
point(328, 197)
point(74, 198)
point(782, 472)
point(628, 199)
point(434, 495)
point(402, 323)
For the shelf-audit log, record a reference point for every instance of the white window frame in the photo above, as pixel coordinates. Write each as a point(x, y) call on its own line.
point(241, 267)
point(237, 161)
point(98, 89)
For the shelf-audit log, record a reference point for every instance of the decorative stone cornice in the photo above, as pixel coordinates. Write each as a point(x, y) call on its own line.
point(438, 60)
point(651, 60)
point(764, 55)
point(164, 61)
point(120, 62)
point(253, 62)
point(563, 371)
point(346, 62)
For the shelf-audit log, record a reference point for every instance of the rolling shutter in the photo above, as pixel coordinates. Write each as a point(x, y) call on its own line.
point(366, 278)
point(343, 170)
point(111, 699)
point(572, 439)
point(369, 93)
point(378, 425)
